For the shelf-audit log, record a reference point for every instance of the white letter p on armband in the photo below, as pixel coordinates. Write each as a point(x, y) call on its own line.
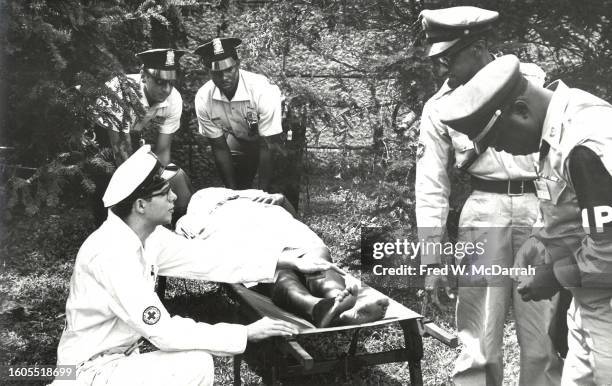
point(602, 215)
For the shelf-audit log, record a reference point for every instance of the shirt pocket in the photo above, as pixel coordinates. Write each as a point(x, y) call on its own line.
point(463, 147)
point(461, 142)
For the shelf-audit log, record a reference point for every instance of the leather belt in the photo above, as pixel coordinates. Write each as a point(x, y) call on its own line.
point(509, 187)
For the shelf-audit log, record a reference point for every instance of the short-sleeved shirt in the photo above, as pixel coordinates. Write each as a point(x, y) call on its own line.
point(165, 115)
point(256, 99)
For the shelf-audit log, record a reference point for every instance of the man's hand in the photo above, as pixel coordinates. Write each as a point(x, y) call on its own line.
point(532, 252)
point(269, 198)
point(265, 328)
point(542, 285)
point(433, 283)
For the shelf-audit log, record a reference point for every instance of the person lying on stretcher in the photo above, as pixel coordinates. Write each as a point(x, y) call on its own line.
point(325, 299)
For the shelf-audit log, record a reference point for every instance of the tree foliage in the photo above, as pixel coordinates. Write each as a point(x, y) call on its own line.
point(355, 69)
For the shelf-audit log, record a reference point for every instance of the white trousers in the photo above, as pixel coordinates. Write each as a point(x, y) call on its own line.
point(589, 321)
point(502, 223)
point(185, 368)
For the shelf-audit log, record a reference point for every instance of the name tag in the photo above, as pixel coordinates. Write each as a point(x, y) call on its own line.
point(542, 190)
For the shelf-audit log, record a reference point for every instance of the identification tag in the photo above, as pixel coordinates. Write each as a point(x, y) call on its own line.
point(542, 190)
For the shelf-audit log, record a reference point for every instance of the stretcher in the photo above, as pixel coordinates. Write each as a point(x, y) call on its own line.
point(286, 357)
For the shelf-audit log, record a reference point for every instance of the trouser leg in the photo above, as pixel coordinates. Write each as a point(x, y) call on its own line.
point(188, 368)
point(290, 293)
point(539, 362)
point(480, 313)
point(503, 223)
point(589, 358)
point(483, 301)
point(577, 367)
point(299, 293)
point(245, 159)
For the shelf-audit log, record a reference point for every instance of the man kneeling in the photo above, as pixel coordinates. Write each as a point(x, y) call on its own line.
point(326, 299)
point(112, 305)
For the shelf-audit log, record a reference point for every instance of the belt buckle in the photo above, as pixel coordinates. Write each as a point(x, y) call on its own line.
point(516, 194)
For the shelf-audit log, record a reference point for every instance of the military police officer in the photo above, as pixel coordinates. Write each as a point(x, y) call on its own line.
point(501, 209)
point(240, 113)
point(570, 129)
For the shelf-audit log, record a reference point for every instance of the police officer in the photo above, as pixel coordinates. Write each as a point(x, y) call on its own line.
point(112, 304)
point(571, 130)
point(501, 209)
point(240, 113)
point(163, 107)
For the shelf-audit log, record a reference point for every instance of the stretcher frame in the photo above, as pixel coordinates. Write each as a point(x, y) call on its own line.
point(285, 357)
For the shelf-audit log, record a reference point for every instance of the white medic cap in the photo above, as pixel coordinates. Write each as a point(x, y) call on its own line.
point(139, 175)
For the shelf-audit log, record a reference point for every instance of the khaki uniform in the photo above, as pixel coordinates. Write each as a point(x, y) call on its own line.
point(576, 118)
point(503, 220)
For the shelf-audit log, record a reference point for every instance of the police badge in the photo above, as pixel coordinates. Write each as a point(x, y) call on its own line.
point(252, 122)
point(217, 46)
point(169, 58)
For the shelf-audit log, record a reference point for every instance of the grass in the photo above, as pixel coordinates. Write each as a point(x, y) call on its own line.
point(37, 256)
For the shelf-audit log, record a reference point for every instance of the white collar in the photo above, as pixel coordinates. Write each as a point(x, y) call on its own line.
point(122, 232)
point(554, 113)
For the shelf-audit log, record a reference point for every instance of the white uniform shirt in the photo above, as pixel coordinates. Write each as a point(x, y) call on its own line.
point(166, 115)
point(112, 301)
point(437, 144)
point(256, 98)
point(574, 118)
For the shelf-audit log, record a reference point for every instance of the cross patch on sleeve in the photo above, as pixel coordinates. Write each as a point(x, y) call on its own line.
point(151, 315)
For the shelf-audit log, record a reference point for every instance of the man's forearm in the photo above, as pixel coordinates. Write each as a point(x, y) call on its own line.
point(223, 160)
point(265, 167)
point(121, 145)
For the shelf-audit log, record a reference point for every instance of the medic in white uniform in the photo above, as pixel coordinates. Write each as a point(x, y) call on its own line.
point(112, 303)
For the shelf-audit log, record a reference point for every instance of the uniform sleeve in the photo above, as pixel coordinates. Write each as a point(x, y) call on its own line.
point(593, 186)
point(269, 110)
point(432, 187)
point(172, 121)
point(246, 258)
point(133, 301)
point(206, 127)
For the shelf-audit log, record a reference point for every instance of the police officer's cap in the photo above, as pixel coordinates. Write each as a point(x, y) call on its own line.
point(455, 27)
point(161, 63)
point(141, 174)
point(219, 54)
point(474, 109)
